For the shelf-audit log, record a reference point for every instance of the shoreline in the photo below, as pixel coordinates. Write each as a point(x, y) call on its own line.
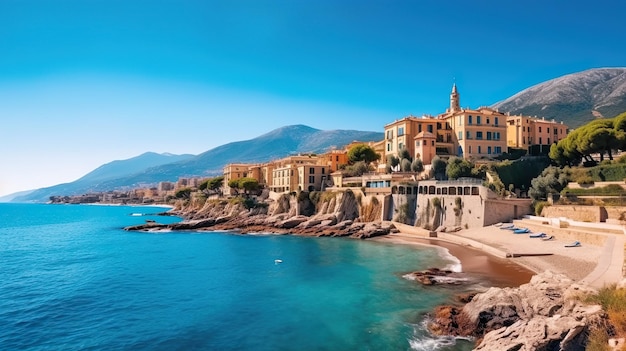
point(513, 259)
point(499, 272)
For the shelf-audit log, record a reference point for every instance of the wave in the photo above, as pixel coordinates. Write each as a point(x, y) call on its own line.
point(454, 265)
point(422, 340)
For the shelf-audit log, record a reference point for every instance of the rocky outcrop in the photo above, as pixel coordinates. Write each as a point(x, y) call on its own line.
point(338, 215)
point(546, 314)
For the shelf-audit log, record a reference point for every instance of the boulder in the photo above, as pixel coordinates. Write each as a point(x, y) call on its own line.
point(548, 313)
point(292, 222)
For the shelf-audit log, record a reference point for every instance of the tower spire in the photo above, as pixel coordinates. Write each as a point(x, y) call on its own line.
point(455, 104)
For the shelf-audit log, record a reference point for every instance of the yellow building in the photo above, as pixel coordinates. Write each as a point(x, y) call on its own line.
point(402, 134)
point(469, 133)
point(234, 171)
point(293, 177)
point(525, 132)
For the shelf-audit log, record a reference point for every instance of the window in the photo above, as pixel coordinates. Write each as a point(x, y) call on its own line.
point(556, 131)
point(548, 140)
point(469, 119)
point(488, 135)
point(417, 143)
point(539, 129)
point(469, 149)
point(489, 150)
point(479, 136)
point(496, 135)
point(496, 121)
point(460, 121)
point(524, 140)
point(523, 129)
point(312, 178)
point(419, 128)
point(433, 143)
point(401, 131)
point(479, 151)
point(487, 121)
point(468, 134)
point(400, 146)
point(477, 119)
point(429, 128)
point(388, 146)
point(336, 158)
point(498, 150)
point(323, 170)
point(548, 131)
point(539, 140)
point(312, 170)
point(460, 135)
point(390, 134)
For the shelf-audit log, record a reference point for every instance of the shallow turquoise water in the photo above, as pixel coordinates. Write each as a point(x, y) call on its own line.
point(71, 279)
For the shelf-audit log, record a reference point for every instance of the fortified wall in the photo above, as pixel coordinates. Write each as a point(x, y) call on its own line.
point(464, 203)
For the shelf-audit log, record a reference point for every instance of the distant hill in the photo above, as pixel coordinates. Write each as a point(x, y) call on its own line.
point(94, 180)
point(276, 144)
point(10, 197)
point(574, 99)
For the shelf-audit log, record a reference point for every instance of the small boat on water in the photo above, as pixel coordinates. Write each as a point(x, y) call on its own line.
point(277, 261)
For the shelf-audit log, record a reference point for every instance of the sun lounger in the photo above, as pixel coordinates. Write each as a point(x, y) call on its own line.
point(538, 235)
point(551, 237)
point(574, 244)
point(522, 231)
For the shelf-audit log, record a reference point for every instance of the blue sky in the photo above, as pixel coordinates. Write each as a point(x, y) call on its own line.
point(86, 82)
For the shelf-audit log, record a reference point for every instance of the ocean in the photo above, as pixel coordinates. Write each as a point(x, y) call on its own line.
point(72, 279)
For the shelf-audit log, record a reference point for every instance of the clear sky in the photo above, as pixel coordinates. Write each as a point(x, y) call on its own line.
point(85, 82)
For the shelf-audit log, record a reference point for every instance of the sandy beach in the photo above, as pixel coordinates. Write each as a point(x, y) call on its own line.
point(484, 251)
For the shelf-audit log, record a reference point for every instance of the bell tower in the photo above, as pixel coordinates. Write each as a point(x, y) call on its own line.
point(455, 105)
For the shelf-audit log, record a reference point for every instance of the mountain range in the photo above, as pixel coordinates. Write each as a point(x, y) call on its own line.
point(574, 99)
point(139, 172)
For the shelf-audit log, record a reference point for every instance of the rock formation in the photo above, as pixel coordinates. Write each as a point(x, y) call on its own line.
point(336, 214)
point(548, 313)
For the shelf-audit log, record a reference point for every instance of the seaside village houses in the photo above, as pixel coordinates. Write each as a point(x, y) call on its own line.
point(480, 135)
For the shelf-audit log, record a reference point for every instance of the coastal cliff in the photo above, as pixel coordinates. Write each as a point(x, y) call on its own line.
point(548, 313)
point(341, 213)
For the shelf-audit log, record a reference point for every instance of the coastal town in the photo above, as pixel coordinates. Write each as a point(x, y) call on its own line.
point(407, 201)
point(437, 180)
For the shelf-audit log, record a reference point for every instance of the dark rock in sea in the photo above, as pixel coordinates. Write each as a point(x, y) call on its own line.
point(146, 227)
point(434, 276)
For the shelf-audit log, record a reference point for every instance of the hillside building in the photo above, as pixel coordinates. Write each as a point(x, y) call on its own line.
point(471, 133)
point(534, 134)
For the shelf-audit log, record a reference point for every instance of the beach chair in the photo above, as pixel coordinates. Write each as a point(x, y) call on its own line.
point(574, 244)
point(521, 231)
point(551, 237)
point(538, 235)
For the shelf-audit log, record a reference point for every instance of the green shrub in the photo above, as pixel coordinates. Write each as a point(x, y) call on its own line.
point(539, 205)
point(608, 190)
point(585, 180)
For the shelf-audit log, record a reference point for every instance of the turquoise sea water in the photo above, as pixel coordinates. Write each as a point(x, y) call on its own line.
point(71, 279)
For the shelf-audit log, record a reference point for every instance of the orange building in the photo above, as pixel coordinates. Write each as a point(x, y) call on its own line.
point(525, 132)
point(402, 134)
point(469, 133)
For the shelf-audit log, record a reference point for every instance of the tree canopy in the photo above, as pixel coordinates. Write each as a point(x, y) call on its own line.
point(601, 136)
point(362, 152)
point(458, 167)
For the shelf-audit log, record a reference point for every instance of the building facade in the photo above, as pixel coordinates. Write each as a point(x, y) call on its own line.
point(472, 133)
point(530, 133)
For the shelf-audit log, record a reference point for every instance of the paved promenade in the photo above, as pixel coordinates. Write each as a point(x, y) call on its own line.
point(598, 263)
